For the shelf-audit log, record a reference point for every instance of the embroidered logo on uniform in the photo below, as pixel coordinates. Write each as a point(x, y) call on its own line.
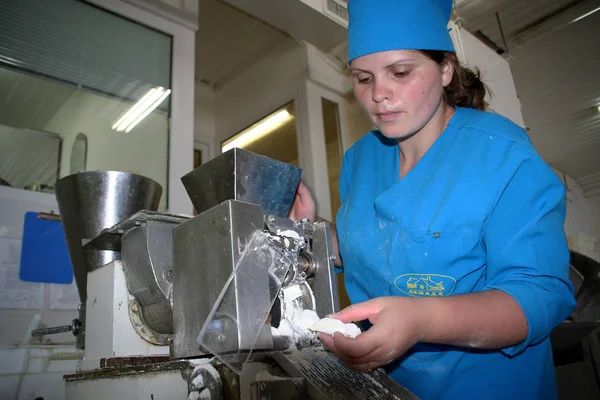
point(432, 285)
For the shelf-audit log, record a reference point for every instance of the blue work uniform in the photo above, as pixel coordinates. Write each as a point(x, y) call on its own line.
point(480, 210)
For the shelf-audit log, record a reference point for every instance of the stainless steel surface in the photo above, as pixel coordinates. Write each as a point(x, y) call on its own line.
point(147, 256)
point(92, 201)
point(241, 175)
point(327, 379)
point(242, 310)
point(205, 251)
point(323, 281)
point(145, 241)
point(110, 238)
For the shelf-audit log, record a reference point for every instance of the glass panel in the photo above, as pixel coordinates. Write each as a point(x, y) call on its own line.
point(79, 154)
point(67, 106)
point(29, 158)
point(273, 136)
point(333, 145)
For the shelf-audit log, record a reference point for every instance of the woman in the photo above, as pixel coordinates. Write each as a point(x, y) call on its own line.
point(451, 226)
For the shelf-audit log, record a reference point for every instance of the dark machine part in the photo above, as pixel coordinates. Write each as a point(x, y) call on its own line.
point(576, 342)
point(244, 176)
point(327, 379)
point(278, 388)
point(585, 275)
point(205, 383)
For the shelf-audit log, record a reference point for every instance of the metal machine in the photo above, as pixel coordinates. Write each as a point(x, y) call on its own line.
point(209, 307)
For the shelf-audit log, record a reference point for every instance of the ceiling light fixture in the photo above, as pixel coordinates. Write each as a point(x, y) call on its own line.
point(140, 110)
point(585, 15)
point(255, 132)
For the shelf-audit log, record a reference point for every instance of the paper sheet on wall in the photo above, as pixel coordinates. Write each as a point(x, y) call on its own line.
point(14, 293)
point(64, 297)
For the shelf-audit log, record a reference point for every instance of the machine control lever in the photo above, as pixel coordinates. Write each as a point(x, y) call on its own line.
point(75, 327)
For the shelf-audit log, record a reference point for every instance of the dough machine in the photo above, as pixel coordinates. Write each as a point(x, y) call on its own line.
point(210, 306)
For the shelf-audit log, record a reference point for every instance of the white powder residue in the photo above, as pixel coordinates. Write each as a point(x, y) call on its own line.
point(296, 329)
point(332, 325)
point(290, 295)
point(288, 233)
point(305, 319)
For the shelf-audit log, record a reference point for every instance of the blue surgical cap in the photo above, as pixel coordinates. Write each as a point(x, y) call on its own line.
point(382, 25)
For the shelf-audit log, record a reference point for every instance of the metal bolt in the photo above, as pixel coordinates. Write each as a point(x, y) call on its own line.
point(169, 275)
point(135, 308)
point(271, 218)
point(304, 220)
point(436, 235)
point(333, 257)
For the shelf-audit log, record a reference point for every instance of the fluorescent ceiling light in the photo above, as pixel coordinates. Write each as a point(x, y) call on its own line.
point(140, 110)
point(585, 15)
point(256, 132)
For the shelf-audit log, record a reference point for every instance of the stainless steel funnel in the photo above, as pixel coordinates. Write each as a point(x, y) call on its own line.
point(92, 201)
point(245, 176)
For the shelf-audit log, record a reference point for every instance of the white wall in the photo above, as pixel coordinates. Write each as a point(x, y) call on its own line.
point(37, 297)
point(260, 89)
point(143, 151)
point(205, 122)
point(358, 123)
point(594, 204)
point(495, 71)
point(579, 224)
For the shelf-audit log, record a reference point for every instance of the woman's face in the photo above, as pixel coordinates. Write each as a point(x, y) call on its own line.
point(400, 89)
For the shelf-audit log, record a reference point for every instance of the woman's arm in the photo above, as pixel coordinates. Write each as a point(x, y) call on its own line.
point(526, 292)
point(485, 320)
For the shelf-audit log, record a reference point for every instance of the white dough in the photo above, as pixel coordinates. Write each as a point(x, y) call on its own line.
point(331, 325)
point(289, 233)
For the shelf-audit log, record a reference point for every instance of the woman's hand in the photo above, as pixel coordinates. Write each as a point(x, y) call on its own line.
point(398, 323)
point(303, 205)
point(491, 319)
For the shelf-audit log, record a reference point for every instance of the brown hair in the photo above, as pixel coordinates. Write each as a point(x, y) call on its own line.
point(466, 88)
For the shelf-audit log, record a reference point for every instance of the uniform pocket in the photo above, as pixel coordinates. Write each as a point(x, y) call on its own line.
point(428, 263)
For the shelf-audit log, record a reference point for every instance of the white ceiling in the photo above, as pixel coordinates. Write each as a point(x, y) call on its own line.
point(229, 40)
point(555, 65)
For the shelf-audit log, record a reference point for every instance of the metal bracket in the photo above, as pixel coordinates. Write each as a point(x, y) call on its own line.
point(279, 389)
